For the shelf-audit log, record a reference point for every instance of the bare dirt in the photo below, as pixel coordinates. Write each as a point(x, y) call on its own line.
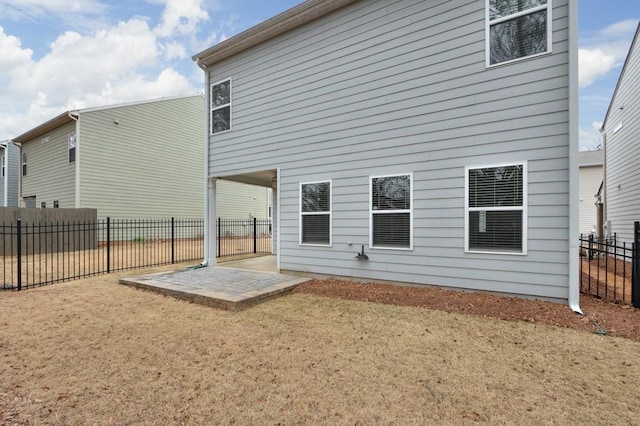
point(600, 316)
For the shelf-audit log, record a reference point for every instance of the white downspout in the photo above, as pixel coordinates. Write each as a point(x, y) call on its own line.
point(207, 228)
point(574, 190)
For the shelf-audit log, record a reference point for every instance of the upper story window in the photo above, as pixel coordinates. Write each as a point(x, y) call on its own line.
point(495, 211)
point(72, 147)
point(2, 167)
point(391, 214)
point(221, 106)
point(315, 213)
point(517, 29)
point(24, 164)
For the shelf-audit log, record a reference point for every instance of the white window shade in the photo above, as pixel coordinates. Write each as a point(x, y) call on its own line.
point(315, 213)
point(496, 208)
point(391, 212)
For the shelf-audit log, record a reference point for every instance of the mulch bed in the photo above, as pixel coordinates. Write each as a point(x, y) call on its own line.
point(599, 316)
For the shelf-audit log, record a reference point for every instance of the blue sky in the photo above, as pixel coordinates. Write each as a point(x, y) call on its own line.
point(57, 55)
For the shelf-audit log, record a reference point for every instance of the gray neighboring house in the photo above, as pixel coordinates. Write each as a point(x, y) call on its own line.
point(591, 175)
point(9, 155)
point(135, 160)
point(621, 140)
point(421, 141)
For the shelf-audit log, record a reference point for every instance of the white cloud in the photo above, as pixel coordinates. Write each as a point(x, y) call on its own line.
point(181, 18)
point(593, 64)
point(12, 55)
point(605, 50)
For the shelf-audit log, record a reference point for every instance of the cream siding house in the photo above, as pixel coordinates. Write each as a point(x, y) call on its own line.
point(417, 141)
point(591, 174)
point(621, 135)
point(135, 160)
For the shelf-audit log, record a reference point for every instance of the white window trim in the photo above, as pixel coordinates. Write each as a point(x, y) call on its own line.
point(330, 212)
point(2, 167)
point(211, 108)
point(489, 24)
point(69, 136)
point(524, 208)
point(371, 212)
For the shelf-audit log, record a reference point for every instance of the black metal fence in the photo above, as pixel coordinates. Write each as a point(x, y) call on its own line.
point(37, 254)
point(243, 236)
point(610, 269)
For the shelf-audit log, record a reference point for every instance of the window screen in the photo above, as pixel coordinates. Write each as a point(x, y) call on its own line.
point(496, 208)
point(391, 211)
point(221, 106)
point(315, 213)
point(517, 29)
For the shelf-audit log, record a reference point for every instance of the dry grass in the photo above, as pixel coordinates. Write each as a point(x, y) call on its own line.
point(95, 352)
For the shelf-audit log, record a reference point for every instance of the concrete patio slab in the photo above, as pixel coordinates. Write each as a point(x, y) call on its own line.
point(226, 287)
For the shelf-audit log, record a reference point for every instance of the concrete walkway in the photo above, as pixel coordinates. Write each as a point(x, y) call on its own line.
point(233, 285)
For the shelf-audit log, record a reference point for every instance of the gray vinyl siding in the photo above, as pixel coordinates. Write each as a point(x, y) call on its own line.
point(235, 200)
point(10, 180)
point(149, 165)
point(622, 153)
point(50, 176)
point(391, 87)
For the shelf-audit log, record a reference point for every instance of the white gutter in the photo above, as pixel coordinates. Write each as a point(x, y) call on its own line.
point(574, 190)
point(207, 228)
point(77, 183)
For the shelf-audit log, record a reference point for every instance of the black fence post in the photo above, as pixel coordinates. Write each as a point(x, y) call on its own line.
point(635, 274)
point(173, 240)
point(108, 245)
point(218, 238)
point(19, 252)
point(255, 235)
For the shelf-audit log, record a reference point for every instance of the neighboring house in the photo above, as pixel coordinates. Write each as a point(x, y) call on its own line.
point(591, 174)
point(439, 136)
point(135, 160)
point(621, 140)
point(8, 174)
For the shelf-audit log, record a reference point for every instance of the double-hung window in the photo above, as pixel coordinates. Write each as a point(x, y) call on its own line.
point(72, 146)
point(2, 167)
point(495, 213)
point(24, 164)
point(517, 29)
point(221, 106)
point(391, 213)
point(315, 213)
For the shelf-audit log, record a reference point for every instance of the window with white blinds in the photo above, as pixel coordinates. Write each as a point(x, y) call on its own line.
point(496, 201)
point(517, 29)
point(391, 214)
point(315, 213)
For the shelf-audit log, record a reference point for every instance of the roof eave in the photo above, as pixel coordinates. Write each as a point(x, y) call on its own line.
point(54, 123)
point(288, 20)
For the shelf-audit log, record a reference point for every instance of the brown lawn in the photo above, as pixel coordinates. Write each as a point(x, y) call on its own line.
point(95, 352)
